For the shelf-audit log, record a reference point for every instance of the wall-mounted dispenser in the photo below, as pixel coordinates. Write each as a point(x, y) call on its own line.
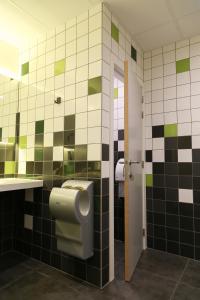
point(72, 207)
point(120, 176)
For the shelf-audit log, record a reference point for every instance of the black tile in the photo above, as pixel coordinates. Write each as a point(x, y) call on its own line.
point(171, 168)
point(158, 180)
point(159, 232)
point(158, 131)
point(196, 211)
point(159, 206)
point(171, 143)
point(186, 209)
point(58, 138)
point(149, 217)
point(171, 181)
point(197, 225)
point(105, 152)
point(121, 135)
point(133, 53)
point(185, 182)
point(171, 155)
point(69, 122)
point(160, 244)
point(172, 221)
point(159, 193)
point(172, 234)
point(196, 155)
point(185, 168)
point(196, 196)
point(186, 223)
point(69, 137)
point(148, 155)
point(48, 153)
point(184, 142)
point(197, 239)
point(149, 192)
point(81, 152)
point(187, 237)
point(94, 169)
point(158, 168)
point(173, 247)
point(196, 169)
point(171, 194)
point(159, 219)
point(196, 183)
point(172, 208)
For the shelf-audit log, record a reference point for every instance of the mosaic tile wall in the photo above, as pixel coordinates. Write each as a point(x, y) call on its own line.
point(118, 153)
point(172, 126)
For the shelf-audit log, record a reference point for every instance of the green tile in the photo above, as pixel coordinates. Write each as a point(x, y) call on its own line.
point(183, 65)
point(59, 67)
point(0, 134)
point(10, 167)
point(95, 85)
point(23, 142)
point(69, 167)
point(115, 93)
point(39, 127)
point(39, 154)
point(170, 130)
point(149, 180)
point(11, 140)
point(25, 68)
point(133, 53)
point(115, 32)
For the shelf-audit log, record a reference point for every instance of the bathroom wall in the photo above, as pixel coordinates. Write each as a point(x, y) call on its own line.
point(172, 126)
point(118, 153)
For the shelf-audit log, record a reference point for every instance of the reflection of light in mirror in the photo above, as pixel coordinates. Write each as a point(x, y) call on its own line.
point(9, 74)
point(1, 97)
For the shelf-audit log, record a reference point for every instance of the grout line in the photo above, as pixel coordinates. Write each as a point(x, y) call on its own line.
point(179, 280)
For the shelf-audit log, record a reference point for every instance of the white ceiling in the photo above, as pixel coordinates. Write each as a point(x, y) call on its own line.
point(152, 23)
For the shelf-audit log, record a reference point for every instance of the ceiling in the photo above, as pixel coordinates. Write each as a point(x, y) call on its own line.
point(152, 23)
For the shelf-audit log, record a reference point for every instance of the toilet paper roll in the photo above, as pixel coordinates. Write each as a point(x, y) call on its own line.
point(70, 205)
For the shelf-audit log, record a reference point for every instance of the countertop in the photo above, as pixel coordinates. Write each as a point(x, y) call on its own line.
point(12, 184)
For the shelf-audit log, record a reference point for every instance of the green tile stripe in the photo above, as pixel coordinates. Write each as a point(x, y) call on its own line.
point(39, 127)
point(170, 130)
point(183, 65)
point(115, 93)
point(115, 32)
point(94, 85)
point(25, 68)
point(10, 167)
point(149, 180)
point(59, 67)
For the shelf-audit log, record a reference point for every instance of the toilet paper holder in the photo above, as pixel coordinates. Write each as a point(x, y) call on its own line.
point(72, 207)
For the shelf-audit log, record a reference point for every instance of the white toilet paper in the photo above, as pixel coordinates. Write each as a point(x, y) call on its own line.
point(119, 170)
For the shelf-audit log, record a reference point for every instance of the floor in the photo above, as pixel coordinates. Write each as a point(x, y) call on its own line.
point(158, 275)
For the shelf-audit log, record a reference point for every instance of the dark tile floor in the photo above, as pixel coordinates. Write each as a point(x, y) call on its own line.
point(158, 276)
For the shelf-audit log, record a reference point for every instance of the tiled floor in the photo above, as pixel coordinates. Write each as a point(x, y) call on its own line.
point(159, 276)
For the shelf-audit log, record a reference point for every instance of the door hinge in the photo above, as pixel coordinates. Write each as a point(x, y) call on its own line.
point(143, 232)
point(142, 115)
point(142, 164)
point(142, 99)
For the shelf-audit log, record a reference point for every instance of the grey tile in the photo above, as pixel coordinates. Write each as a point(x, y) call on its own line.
point(186, 292)
point(162, 263)
point(149, 286)
point(191, 275)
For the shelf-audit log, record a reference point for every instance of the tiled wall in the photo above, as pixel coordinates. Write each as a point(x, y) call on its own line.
point(118, 153)
point(172, 126)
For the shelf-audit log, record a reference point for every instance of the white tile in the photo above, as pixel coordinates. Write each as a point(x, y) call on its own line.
point(94, 118)
point(48, 139)
point(170, 117)
point(184, 155)
point(82, 58)
point(105, 169)
point(195, 128)
point(182, 43)
point(157, 84)
point(169, 57)
point(94, 152)
point(94, 135)
point(82, 28)
point(184, 129)
point(148, 132)
point(148, 169)
point(158, 155)
point(170, 69)
point(71, 63)
point(183, 103)
point(170, 105)
point(184, 116)
point(170, 93)
point(28, 222)
point(81, 105)
point(81, 120)
point(147, 108)
point(60, 39)
point(195, 75)
point(195, 49)
point(195, 101)
point(58, 153)
point(120, 145)
point(95, 37)
point(48, 125)
point(82, 89)
point(195, 115)
point(195, 88)
point(147, 75)
point(196, 142)
point(71, 34)
point(157, 60)
point(183, 78)
point(81, 136)
point(185, 196)
point(105, 135)
point(156, 51)
point(183, 90)
point(70, 48)
point(95, 69)
point(147, 86)
point(147, 120)
point(148, 144)
point(182, 53)
point(157, 72)
point(147, 63)
point(157, 107)
point(70, 92)
point(194, 62)
point(95, 22)
point(70, 77)
point(94, 102)
point(95, 53)
point(169, 81)
point(157, 95)
point(82, 73)
point(82, 43)
point(70, 108)
point(158, 143)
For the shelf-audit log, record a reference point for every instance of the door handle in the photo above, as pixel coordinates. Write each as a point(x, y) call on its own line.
point(130, 162)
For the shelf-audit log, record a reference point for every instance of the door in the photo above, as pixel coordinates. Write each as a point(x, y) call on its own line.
point(133, 170)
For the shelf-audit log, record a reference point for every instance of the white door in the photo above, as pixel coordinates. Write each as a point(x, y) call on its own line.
point(133, 170)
